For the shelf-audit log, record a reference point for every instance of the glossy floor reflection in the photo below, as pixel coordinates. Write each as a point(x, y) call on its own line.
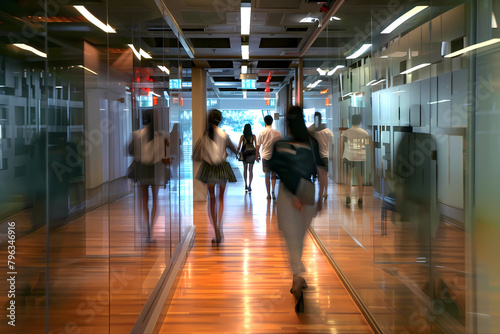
point(391, 266)
point(101, 270)
point(242, 286)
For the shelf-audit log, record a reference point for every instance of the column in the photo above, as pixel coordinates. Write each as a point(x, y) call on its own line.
point(199, 94)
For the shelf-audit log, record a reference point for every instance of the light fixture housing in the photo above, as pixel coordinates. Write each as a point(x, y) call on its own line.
point(31, 49)
point(94, 20)
point(360, 52)
point(473, 47)
point(331, 72)
point(414, 68)
point(246, 18)
point(402, 19)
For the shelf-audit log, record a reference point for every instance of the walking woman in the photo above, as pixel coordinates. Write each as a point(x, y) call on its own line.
point(148, 149)
point(215, 171)
point(295, 159)
point(248, 154)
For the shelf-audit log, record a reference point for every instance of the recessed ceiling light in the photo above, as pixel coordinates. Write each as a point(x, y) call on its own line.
point(358, 53)
point(94, 20)
point(403, 18)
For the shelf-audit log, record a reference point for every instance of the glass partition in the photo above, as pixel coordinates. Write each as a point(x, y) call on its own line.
point(400, 200)
point(76, 218)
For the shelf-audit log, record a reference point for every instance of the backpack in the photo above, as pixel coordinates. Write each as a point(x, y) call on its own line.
point(249, 147)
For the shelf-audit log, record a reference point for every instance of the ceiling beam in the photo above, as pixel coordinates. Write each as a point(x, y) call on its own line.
point(319, 29)
point(172, 23)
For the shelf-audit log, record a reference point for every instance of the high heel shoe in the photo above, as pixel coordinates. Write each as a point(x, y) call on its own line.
point(299, 283)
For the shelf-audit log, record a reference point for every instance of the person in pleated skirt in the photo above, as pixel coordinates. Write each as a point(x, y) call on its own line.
point(215, 171)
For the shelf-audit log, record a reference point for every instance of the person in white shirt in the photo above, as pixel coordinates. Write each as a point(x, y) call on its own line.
point(354, 141)
point(266, 141)
point(324, 137)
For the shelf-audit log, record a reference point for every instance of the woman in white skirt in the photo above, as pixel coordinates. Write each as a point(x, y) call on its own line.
point(295, 159)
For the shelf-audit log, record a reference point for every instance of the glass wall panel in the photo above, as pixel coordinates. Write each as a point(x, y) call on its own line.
point(401, 170)
point(88, 235)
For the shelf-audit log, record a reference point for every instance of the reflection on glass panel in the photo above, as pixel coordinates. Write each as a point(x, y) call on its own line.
point(398, 202)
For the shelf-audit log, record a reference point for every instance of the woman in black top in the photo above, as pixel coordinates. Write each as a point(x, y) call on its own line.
point(295, 159)
point(248, 154)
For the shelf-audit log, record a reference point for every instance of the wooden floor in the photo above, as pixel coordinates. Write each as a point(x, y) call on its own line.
point(242, 286)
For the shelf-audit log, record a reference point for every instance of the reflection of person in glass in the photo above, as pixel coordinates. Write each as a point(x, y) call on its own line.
point(148, 149)
point(324, 137)
point(247, 154)
point(266, 141)
point(355, 141)
point(215, 171)
point(295, 160)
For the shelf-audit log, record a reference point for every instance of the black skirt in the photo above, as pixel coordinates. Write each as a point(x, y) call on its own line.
point(214, 174)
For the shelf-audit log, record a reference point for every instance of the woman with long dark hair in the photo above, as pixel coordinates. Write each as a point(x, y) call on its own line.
point(215, 171)
point(148, 149)
point(295, 159)
point(248, 154)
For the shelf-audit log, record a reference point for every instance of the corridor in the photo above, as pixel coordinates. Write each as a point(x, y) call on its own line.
point(242, 285)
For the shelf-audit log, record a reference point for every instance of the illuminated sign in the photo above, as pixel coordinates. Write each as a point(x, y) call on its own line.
point(248, 84)
point(175, 83)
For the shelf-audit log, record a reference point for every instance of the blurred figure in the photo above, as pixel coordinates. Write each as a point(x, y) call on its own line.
point(295, 159)
point(324, 137)
point(215, 171)
point(266, 141)
point(354, 141)
point(148, 149)
point(247, 154)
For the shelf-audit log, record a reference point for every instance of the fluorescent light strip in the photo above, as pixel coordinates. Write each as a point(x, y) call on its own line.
point(87, 69)
point(245, 52)
point(312, 85)
point(164, 69)
point(320, 71)
point(403, 18)
point(358, 53)
point(331, 72)
point(348, 94)
point(379, 82)
point(308, 20)
point(31, 49)
point(94, 20)
point(494, 24)
point(145, 54)
point(408, 71)
point(334, 18)
point(244, 69)
point(137, 54)
point(473, 47)
point(368, 84)
point(246, 15)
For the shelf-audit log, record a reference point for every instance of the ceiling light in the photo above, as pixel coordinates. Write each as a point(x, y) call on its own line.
point(244, 69)
point(94, 20)
point(164, 69)
point(246, 15)
point(331, 72)
point(245, 52)
point(312, 85)
point(473, 47)
point(145, 54)
point(59, 87)
point(378, 82)
point(408, 71)
point(494, 24)
point(320, 71)
point(87, 69)
point(368, 84)
point(360, 51)
point(223, 84)
point(348, 94)
point(403, 18)
point(309, 19)
point(334, 18)
point(245, 94)
point(137, 54)
point(31, 49)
